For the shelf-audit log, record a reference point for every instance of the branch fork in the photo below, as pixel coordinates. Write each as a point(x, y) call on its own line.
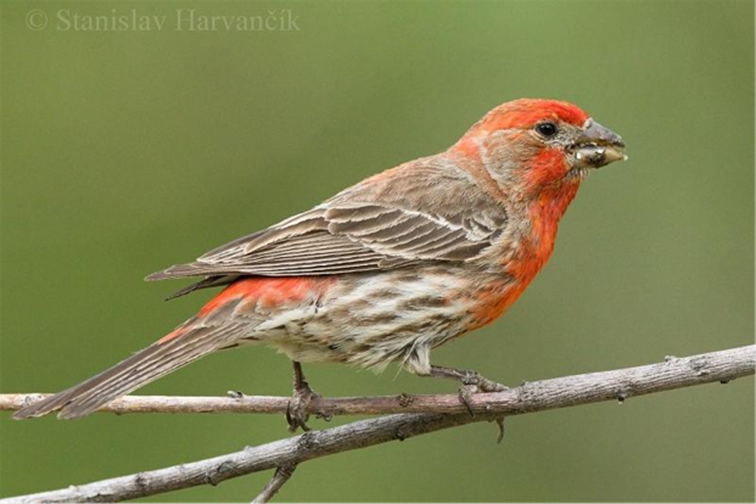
point(406, 416)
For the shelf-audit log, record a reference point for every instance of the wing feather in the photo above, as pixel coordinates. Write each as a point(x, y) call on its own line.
point(336, 239)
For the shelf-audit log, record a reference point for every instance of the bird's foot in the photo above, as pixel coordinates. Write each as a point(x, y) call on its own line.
point(475, 383)
point(481, 383)
point(296, 412)
point(472, 383)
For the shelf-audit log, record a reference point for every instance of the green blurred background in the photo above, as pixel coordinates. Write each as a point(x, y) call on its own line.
point(125, 152)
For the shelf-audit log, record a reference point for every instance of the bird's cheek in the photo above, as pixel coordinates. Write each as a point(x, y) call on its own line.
point(547, 167)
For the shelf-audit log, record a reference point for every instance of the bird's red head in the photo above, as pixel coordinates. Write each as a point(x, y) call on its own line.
point(529, 145)
point(525, 113)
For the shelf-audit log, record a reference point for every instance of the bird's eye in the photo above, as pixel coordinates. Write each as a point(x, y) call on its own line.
point(547, 129)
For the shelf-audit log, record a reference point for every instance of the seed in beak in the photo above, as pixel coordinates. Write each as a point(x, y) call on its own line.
point(596, 156)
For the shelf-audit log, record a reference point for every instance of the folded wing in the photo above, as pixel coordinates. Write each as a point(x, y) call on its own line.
point(348, 238)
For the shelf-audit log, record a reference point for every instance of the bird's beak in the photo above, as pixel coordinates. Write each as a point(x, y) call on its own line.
point(597, 146)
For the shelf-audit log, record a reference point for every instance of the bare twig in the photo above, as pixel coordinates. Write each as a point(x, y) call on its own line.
point(716, 366)
point(280, 477)
point(673, 373)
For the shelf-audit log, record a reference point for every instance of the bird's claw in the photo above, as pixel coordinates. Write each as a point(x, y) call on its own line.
point(465, 396)
point(474, 383)
point(296, 411)
point(500, 424)
point(324, 415)
point(482, 383)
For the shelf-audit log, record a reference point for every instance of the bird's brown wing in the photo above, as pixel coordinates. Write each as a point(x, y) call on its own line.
point(349, 238)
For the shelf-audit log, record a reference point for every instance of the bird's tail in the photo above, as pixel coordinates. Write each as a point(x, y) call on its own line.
point(196, 338)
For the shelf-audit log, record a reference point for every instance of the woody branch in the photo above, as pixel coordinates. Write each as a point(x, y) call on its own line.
point(420, 415)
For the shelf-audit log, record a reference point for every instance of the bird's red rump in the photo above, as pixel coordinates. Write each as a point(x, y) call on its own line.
point(268, 292)
point(171, 335)
point(265, 292)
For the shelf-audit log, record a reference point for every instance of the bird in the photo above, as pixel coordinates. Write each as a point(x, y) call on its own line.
point(387, 269)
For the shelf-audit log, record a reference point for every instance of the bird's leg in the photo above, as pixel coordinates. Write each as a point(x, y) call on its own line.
point(472, 383)
point(296, 412)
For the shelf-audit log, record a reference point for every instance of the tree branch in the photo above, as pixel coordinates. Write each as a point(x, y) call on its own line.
point(440, 413)
point(716, 366)
point(280, 477)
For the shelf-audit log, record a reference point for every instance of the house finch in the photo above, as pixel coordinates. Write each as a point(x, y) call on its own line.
point(389, 268)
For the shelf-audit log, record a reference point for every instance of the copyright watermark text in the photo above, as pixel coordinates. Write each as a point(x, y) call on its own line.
point(180, 20)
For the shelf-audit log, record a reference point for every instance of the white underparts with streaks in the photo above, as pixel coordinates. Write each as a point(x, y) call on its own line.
point(373, 320)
